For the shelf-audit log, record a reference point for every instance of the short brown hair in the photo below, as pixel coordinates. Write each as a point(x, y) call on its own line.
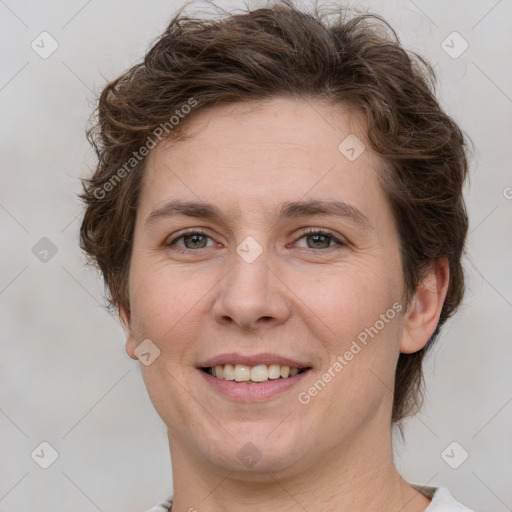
point(280, 50)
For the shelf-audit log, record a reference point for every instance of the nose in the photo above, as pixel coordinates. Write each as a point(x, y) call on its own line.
point(251, 295)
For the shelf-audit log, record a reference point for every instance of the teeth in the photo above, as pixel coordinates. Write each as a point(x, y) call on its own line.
point(229, 371)
point(274, 371)
point(219, 371)
point(284, 371)
point(258, 373)
point(242, 373)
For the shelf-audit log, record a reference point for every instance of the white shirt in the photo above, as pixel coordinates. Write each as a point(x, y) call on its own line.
point(442, 501)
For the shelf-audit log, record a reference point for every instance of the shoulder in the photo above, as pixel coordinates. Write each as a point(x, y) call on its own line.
point(442, 500)
point(164, 506)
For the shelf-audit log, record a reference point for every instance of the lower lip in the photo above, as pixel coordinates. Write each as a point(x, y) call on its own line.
point(252, 391)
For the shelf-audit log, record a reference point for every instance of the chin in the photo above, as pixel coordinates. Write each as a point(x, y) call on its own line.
point(253, 450)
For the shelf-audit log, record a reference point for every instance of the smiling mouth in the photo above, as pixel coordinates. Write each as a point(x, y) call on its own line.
point(248, 374)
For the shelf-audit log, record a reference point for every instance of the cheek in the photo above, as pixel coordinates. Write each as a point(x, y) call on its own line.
point(163, 300)
point(355, 313)
point(347, 298)
point(166, 308)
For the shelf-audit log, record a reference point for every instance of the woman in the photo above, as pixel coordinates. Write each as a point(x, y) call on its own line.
point(277, 212)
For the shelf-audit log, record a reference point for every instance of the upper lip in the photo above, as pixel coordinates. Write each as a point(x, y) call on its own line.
point(253, 360)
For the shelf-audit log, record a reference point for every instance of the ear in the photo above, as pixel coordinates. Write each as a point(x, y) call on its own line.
point(125, 318)
point(422, 316)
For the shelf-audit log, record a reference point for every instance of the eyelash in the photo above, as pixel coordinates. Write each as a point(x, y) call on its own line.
point(307, 232)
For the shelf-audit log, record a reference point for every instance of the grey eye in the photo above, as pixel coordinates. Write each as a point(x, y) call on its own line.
point(195, 241)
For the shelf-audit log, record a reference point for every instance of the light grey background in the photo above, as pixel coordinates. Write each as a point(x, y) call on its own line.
point(65, 378)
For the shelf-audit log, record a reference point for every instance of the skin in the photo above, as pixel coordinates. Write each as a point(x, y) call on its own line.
point(303, 297)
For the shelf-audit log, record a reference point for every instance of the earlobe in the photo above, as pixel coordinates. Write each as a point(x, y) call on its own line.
point(125, 318)
point(424, 311)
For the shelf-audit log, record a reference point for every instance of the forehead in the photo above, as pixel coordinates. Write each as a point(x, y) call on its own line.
point(265, 154)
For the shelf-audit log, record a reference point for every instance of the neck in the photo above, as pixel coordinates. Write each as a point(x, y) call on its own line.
point(359, 475)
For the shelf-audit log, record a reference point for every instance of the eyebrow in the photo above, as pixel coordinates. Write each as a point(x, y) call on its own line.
point(288, 210)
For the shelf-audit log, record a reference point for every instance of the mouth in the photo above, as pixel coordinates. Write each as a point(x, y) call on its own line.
point(257, 378)
point(259, 373)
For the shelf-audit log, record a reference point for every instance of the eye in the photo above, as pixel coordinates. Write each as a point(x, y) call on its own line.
point(320, 239)
point(191, 240)
point(194, 239)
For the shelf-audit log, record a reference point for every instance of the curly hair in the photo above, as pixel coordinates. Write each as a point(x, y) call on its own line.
point(349, 58)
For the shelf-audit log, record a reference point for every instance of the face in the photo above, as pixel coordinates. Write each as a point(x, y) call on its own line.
point(289, 259)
